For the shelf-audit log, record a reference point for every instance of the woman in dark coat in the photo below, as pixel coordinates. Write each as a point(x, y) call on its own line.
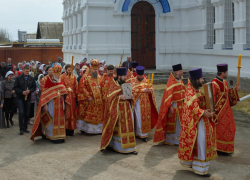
point(8, 93)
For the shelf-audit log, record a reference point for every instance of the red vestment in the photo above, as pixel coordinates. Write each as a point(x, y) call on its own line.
point(117, 119)
point(192, 113)
point(224, 119)
point(148, 106)
point(135, 74)
point(174, 92)
point(71, 85)
point(51, 91)
point(90, 111)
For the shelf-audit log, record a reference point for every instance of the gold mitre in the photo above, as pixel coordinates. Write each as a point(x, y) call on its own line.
point(94, 64)
point(57, 69)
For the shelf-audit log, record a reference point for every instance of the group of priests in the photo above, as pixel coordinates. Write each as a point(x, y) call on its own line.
point(97, 105)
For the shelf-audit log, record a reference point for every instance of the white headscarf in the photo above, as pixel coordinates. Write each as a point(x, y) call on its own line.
point(39, 78)
point(20, 68)
point(41, 68)
point(37, 62)
point(9, 73)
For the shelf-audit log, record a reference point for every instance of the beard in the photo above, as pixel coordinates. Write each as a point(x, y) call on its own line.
point(56, 79)
point(140, 79)
point(196, 84)
point(94, 75)
point(121, 81)
point(199, 84)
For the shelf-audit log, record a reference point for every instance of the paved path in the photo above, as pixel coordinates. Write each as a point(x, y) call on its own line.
point(80, 158)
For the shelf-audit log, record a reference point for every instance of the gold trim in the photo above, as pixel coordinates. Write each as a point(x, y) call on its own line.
point(192, 99)
point(200, 173)
point(168, 98)
point(114, 92)
point(141, 136)
point(125, 152)
point(176, 84)
point(223, 142)
point(186, 165)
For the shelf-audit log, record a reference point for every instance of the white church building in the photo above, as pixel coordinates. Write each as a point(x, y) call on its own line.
point(159, 33)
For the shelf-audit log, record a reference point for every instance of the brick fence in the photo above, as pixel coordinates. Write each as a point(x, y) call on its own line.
point(19, 54)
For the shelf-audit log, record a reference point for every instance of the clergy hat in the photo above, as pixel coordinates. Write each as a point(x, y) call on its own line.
point(196, 73)
point(57, 69)
point(94, 64)
point(222, 67)
point(177, 67)
point(134, 64)
point(121, 71)
point(140, 70)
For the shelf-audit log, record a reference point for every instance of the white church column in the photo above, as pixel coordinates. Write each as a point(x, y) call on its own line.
point(219, 23)
point(74, 31)
point(239, 24)
point(79, 26)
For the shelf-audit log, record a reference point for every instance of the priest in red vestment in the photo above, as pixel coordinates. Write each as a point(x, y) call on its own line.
point(118, 125)
point(144, 103)
point(134, 65)
point(90, 108)
point(71, 84)
point(197, 142)
point(106, 80)
point(168, 126)
point(49, 121)
point(224, 98)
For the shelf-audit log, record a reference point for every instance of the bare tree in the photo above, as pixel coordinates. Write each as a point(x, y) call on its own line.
point(4, 35)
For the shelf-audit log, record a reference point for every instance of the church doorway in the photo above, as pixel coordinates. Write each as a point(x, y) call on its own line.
point(143, 34)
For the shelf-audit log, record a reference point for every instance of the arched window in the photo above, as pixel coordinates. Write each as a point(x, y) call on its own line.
point(210, 10)
point(228, 24)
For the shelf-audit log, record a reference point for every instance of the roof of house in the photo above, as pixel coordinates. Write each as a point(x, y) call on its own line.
point(50, 30)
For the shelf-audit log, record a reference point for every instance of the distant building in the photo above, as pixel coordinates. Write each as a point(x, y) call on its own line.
point(31, 36)
point(50, 30)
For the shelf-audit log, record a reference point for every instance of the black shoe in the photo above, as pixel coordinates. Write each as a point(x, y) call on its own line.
point(44, 137)
point(69, 132)
point(134, 153)
point(206, 175)
point(59, 141)
point(145, 139)
point(21, 132)
point(26, 130)
point(223, 153)
point(8, 126)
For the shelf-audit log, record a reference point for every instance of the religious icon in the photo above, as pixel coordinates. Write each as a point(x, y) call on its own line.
point(209, 96)
point(127, 90)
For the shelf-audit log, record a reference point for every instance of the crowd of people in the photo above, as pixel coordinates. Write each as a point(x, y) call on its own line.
point(118, 102)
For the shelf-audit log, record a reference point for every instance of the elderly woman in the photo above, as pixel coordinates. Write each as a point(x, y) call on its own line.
point(19, 66)
point(9, 97)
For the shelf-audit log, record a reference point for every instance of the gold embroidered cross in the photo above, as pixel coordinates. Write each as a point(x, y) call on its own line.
point(58, 93)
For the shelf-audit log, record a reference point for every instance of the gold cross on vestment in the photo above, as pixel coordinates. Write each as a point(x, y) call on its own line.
point(58, 93)
point(182, 142)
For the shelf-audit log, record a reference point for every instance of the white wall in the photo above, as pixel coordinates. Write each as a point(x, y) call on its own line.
point(104, 33)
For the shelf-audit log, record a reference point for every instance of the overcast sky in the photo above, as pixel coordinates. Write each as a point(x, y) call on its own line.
point(25, 14)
